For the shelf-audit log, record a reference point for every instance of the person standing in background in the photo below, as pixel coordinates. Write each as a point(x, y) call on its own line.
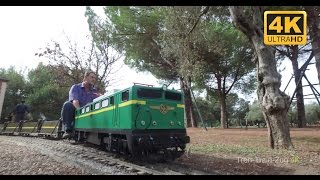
point(20, 111)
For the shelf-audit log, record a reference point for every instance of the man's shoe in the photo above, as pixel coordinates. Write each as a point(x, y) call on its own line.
point(66, 135)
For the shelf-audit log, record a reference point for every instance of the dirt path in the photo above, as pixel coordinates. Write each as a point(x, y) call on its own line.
point(29, 156)
point(17, 159)
point(217, 151)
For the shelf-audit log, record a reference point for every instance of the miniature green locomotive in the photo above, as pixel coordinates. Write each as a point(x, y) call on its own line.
point(138, 119)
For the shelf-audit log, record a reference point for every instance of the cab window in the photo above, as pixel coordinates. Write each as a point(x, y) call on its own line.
point(173, 96)
point(87, 109)
point(125, 96)
point(105, 103)
point(149, 93)
point(97, 105)
point(111, 100)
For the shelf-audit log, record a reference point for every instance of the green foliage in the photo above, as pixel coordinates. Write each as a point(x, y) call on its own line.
point(177, 39)
point(312, 113)
point(172, 42)
point(210, 112)
point(15, 91)
point(44, 93)
point(227, 54)
point(40, 91)
point(292, 114)
point(162, 40)
point(135, 33)
point(255, 113)
point(237, 110)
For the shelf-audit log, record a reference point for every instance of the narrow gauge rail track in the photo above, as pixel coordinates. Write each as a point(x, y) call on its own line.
point(91, 158)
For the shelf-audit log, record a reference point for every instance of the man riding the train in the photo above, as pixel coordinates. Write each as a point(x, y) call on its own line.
point(79, 95)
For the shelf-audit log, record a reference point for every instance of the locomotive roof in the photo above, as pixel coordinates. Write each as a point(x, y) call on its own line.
point(142, 86)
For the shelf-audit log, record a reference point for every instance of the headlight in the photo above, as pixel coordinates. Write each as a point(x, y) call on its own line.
point(164, 87)
point(154, 123)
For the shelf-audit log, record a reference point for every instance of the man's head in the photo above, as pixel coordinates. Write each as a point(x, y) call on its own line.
point(90, 77)
point(23, 101)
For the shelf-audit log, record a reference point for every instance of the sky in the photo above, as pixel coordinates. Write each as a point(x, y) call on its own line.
point(24, 30)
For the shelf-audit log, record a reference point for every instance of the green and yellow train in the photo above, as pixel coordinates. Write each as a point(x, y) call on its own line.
point(136, 120)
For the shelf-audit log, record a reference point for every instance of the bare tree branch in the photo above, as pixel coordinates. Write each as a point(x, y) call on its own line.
point(205, 11)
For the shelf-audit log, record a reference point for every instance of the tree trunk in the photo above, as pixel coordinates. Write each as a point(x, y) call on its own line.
point(224, 117)
point(299, 93)
point(240, 123)
point(189, 119)
point(192, 119)
point(223, 106)
point(314, 28)
point(274, 102)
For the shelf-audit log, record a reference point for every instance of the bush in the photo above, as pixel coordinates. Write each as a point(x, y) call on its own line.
point(209, 123)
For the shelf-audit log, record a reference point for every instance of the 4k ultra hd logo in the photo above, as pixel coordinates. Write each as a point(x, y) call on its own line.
point(285, 27)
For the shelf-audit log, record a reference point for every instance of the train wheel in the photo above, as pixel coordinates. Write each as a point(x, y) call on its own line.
point(182, 147)
point(108, 143)
point(78, 137)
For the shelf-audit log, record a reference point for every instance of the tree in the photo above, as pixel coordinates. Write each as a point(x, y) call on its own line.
point(207, 49)
point(180, 37)
point(312, 113)
point(136, 33)
point(293, 52)
point(15, 91)
point(292, 115)
point(45, 95)
point(314, 31)
point(72, 61)
point(210, 112)
point(226, 62)
point(254, 115)
point(273, 101)
point(240, 109)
